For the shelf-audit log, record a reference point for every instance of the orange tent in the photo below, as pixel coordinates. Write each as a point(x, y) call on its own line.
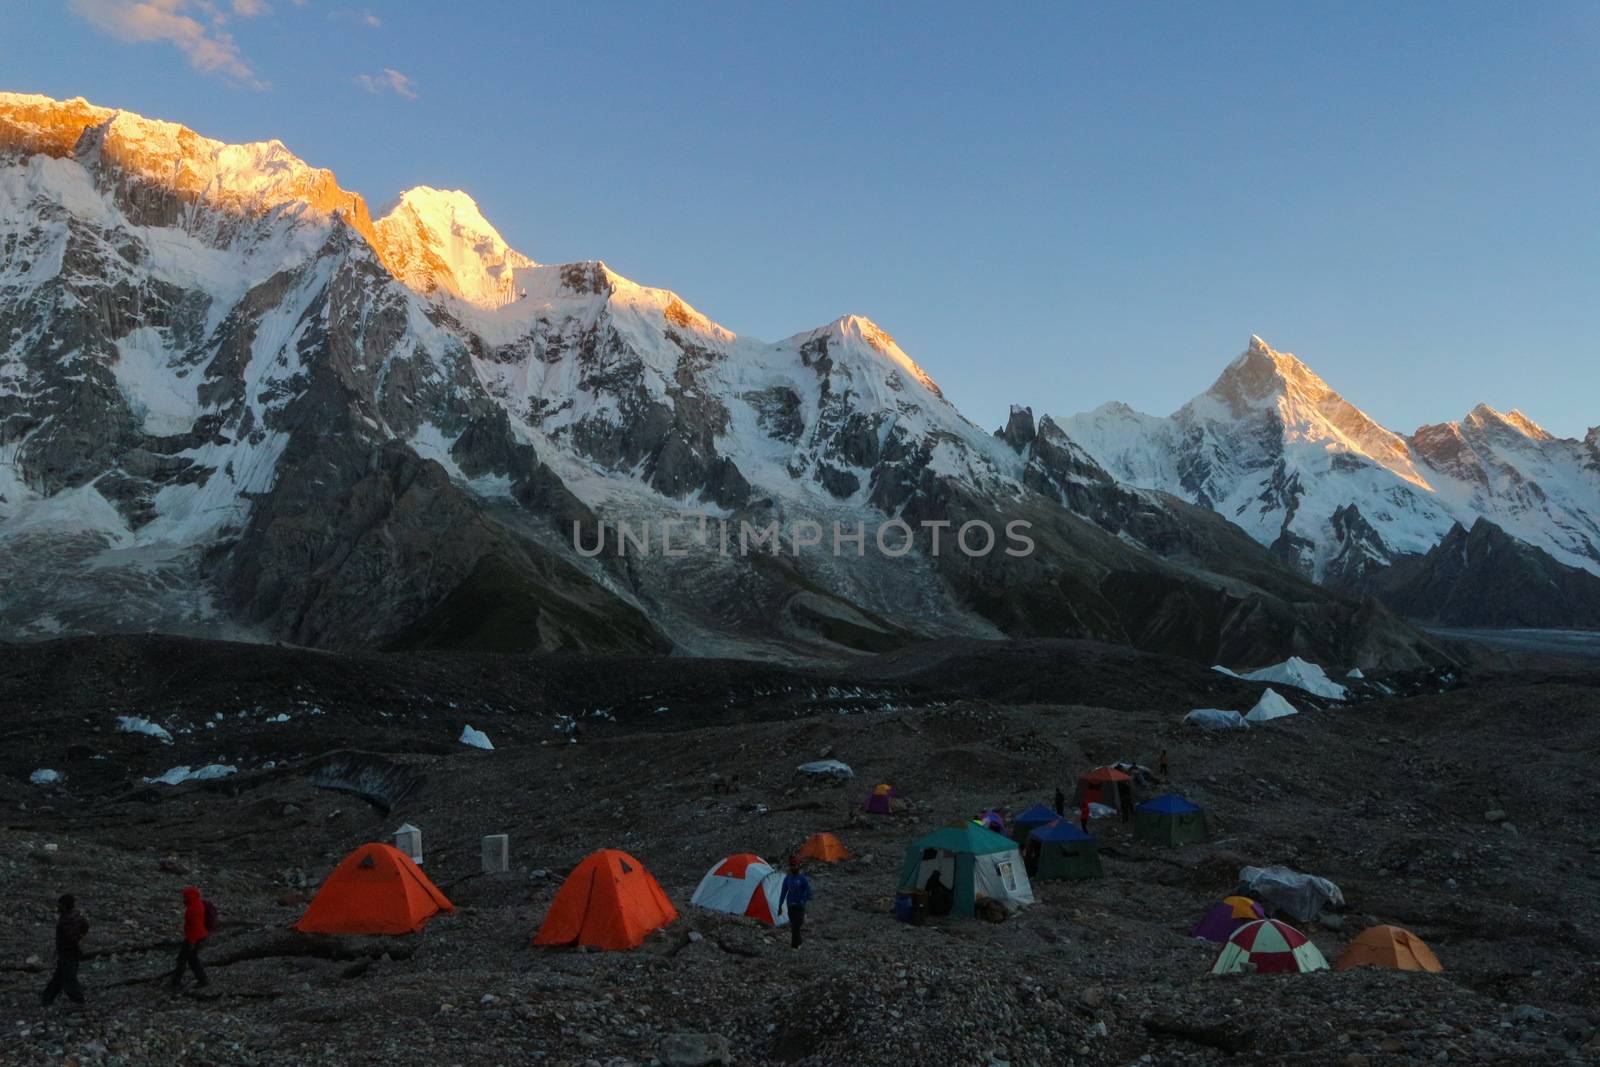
point(374, 890)
point(1092, 784)
point(1389, 946)
point(609, 901)
point(823, 847)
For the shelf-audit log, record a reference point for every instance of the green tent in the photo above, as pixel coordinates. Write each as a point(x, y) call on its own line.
point(1066, 852)
point(1169, 820)
point(973, 862)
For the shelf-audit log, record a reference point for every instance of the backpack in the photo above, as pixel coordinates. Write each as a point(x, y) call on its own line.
point(212, 919)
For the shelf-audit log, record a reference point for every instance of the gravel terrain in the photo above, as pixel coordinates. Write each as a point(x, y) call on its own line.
point(1390, 798)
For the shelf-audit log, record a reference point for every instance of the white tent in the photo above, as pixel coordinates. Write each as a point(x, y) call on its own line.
point(1215, 719)
point(742, 884)
point(1302, 897)
point(1271, 706)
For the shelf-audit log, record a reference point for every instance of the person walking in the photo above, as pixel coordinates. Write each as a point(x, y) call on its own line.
point(795, 895)
point(1083, 812)
point(1162, 764)
point(1061, 801)
point(196, 929)
point(71, 929)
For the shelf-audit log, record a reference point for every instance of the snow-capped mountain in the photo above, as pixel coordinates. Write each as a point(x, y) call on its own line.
point(233, 402)
point(1271, 447)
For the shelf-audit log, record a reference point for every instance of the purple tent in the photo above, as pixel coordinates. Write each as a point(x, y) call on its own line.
point(992, 820)
point(879, 801)
point(1225, 917)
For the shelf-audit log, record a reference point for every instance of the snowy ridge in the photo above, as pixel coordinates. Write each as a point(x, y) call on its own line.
point(1273, 448)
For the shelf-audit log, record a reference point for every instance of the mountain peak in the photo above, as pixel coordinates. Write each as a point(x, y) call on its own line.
point(1485, 417)
point(437, 239)
point(1260, 375)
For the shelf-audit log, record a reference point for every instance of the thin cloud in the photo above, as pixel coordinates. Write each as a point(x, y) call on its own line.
point(363, 17)
point(249, 9)
point(390, 81)
point(210, 49)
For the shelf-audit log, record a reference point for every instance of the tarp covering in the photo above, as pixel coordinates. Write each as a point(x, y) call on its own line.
point(827, 768)
point(1215, 719)
point(1302, 897)
point(1302, 674)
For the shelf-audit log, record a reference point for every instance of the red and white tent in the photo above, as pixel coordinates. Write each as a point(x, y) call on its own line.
point(1266, 946)
point(742, 884)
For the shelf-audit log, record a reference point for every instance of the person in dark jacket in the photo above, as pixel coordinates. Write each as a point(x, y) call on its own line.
point(941, 898)
point(1061, 801)
point(795, 895)
point(1162, 763)
point(71, 928)
point(194, 932)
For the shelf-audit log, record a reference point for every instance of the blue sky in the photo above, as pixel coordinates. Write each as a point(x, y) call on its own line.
point(1055, 205)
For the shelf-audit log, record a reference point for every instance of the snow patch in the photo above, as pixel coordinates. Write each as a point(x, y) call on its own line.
point(179, 775)
point(133, 724)
point(475, 738)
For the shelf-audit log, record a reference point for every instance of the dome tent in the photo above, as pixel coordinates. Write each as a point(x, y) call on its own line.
point(824, 848)
point(1388, 946)
point(375, 890)
point(1169, 820)
point(1066, 852)
point(1028, 821)
point(742, 884)
point(609, 901)
point(1226, 916)
point(1268, 946)
point(883, 800)
point(972, 862)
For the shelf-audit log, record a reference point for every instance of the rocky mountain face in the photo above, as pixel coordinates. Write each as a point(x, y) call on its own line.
point(1271, 447)
point(233, 402)
point(1486, 577)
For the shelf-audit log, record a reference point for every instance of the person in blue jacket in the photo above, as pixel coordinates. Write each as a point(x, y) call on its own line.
point(795, 895)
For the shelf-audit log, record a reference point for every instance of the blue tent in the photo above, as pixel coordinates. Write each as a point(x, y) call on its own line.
point(1034, 817)
point(1169, 820)
point(1169, 804)
point(1066, 851)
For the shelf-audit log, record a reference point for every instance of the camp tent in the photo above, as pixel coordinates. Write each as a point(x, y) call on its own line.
point(1028, 821)
point(883, 800)
point(992, 820)
point(825, 848)
point(742, 884)
point(609, 901)
point(1066, 851)
point(973, 862)
point(1267, 946)
point(1104, 785)
point(1169, 820)
point(1271, 706)
point(375, 890)
point(1226, 916)
point(1389, 946)
point(1140, 774)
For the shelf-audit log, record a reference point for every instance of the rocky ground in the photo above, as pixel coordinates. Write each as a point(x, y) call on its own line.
point(1389, 798)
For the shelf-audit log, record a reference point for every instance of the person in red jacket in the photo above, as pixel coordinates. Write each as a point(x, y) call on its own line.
point(195, 930)
point(1083, 812)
